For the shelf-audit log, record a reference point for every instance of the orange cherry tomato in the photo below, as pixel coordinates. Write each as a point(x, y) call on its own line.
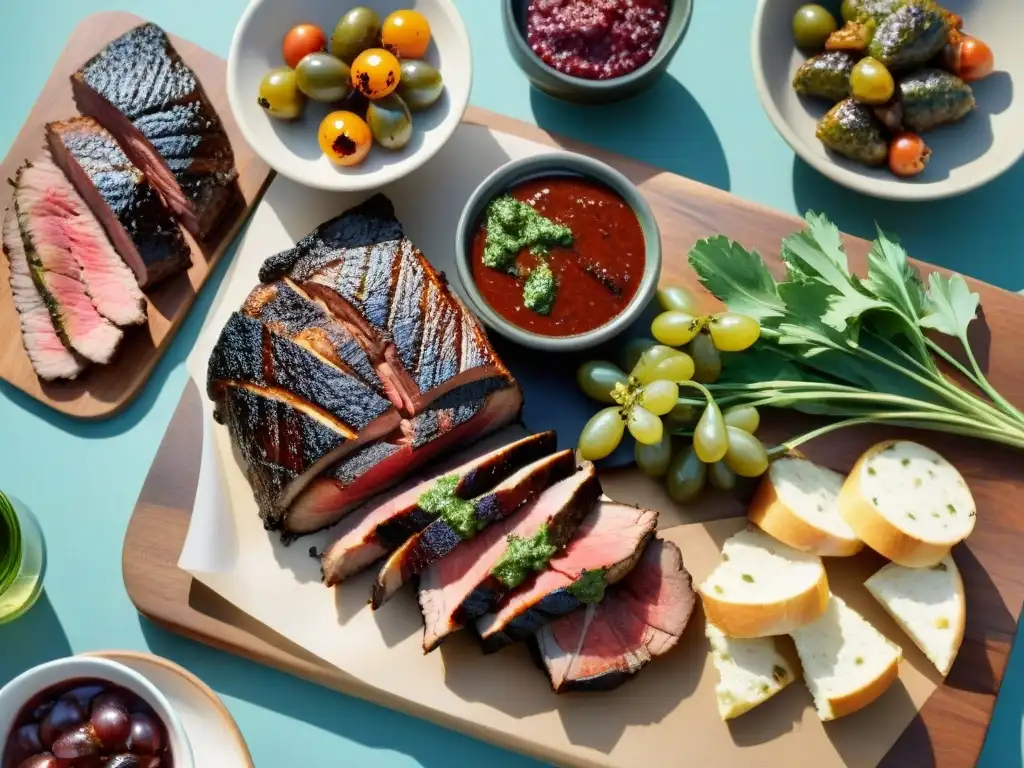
point(375, 73)
point(345, 138)
point(406, 34)
point(302, 40)
point(908, 154)
point(971, 59)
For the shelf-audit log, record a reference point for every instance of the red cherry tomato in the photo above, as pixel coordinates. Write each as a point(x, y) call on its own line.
point(302, 40)
point(973, 59)
point(908, 154)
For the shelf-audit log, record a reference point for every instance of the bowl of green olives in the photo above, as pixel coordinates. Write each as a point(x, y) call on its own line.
point(351, 96)
point(897, 99)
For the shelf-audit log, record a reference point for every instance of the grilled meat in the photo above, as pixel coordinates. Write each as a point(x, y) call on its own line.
point(604, 549)
point(116, 191)
point(480, 572)
point(139, 88)
point(388, 522)
point(50, 358)
point(440, 538)
point(639, 619)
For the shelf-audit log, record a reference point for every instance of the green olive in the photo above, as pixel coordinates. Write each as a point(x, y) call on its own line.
point(323, 77)
point(280, 96)
point(598, 378)
point(681, 415)
point(632, 351)
point(686, 477)
point(675, 298)
point(710, 439)
point(721, 477)
point(653, 460)
point(420, 84)
point(707, 361)
point(871, 82)
point(358, 30)
point(743, 417)
point(745, 455)
point(390, 122)
point(812, 25)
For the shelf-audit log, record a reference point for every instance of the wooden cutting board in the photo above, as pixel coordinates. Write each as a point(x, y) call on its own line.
point(948, 731)
point(102, 390)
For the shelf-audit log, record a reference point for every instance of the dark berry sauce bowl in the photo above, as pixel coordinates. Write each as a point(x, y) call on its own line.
point(594, 51)
point(81, 711)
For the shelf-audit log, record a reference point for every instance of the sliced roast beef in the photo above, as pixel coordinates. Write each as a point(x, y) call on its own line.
point(58, 275)
point(480, 572)
point(604, 549)
point(388, 522)
point(118, 193)
point(372, 278)
point(50, 358)
point(642, 617)
point(455, 420)
point(139, 88)
point(461, 520)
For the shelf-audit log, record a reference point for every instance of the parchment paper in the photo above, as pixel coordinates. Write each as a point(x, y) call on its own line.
point(666, 717)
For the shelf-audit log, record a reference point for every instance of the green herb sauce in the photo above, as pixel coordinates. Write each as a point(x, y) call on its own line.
point(589, 587)
point(441, 501)
point(522, 556)
point(513, 226)
point(539, 290)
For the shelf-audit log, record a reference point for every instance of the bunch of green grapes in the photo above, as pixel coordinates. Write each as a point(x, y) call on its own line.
point(683, 353)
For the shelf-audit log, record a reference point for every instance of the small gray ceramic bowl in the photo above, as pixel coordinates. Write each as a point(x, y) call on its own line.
point(539, 166)
point(577, 89)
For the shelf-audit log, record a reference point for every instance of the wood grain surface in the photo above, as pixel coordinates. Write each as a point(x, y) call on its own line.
point(102, 390)
point(948, 732)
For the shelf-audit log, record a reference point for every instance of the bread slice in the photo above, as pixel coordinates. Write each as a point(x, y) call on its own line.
point(907, 503)
point(750, 671)
point(847, 663)
point(928, 604)
point(763, 587)
point(797, 504)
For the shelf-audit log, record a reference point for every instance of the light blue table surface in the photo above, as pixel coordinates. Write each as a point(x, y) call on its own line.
point(82, 480)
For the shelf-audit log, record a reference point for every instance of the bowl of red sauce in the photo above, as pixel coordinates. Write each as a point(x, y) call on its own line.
point(558, 252)
point(594, 51)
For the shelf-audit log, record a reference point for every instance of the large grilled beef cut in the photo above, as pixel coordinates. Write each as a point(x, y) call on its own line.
point(50, 358)
point(138, 225)
point(642, 617)
point(139, 88)
point(480, 572)
point(443, 535)
point(386, 523)
point(603, 551)
point(318, 344)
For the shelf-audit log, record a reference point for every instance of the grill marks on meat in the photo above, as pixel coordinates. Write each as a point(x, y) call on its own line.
point(140, 89)
point(461, 587)
point(439, 539)
point(389, 522)
point(57, 274)
point(641, 618)
point(610, 540)
point(118, 194)
point(50, 358)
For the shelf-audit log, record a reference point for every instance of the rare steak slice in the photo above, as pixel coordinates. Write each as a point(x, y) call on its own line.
point(604, 549)
point(386, 523)
point(642, 617)
point(474, 578)
point(50, 358)
point(141, 91)
point(460, 520)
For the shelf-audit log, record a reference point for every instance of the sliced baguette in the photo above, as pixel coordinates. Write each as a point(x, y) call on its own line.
point(797, 504)
point(750, 671)
point(907, 503)
point(847, 663)
point(929, 605)
point(763, 587)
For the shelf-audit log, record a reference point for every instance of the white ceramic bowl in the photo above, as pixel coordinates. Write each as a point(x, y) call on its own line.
point(21, 689)
point(290, 147)
point(966, 155)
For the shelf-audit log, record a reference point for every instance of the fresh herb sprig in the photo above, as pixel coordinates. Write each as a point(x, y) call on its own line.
point(838, 345)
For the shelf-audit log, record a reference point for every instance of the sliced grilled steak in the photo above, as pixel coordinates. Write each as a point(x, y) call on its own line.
point(462, 520)
point(422, 339)
point(118, 194)
point(455, 420)
point(50, 358)
point(641, 618)
point(58, 275)
point(141, 91)
point(481, 571)
point(604, 549)
point(388, 523)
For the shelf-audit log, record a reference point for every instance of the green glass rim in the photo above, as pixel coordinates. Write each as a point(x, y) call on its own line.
point(10, 553)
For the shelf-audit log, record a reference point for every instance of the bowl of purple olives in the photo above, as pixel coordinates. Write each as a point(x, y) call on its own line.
point(85, 712)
